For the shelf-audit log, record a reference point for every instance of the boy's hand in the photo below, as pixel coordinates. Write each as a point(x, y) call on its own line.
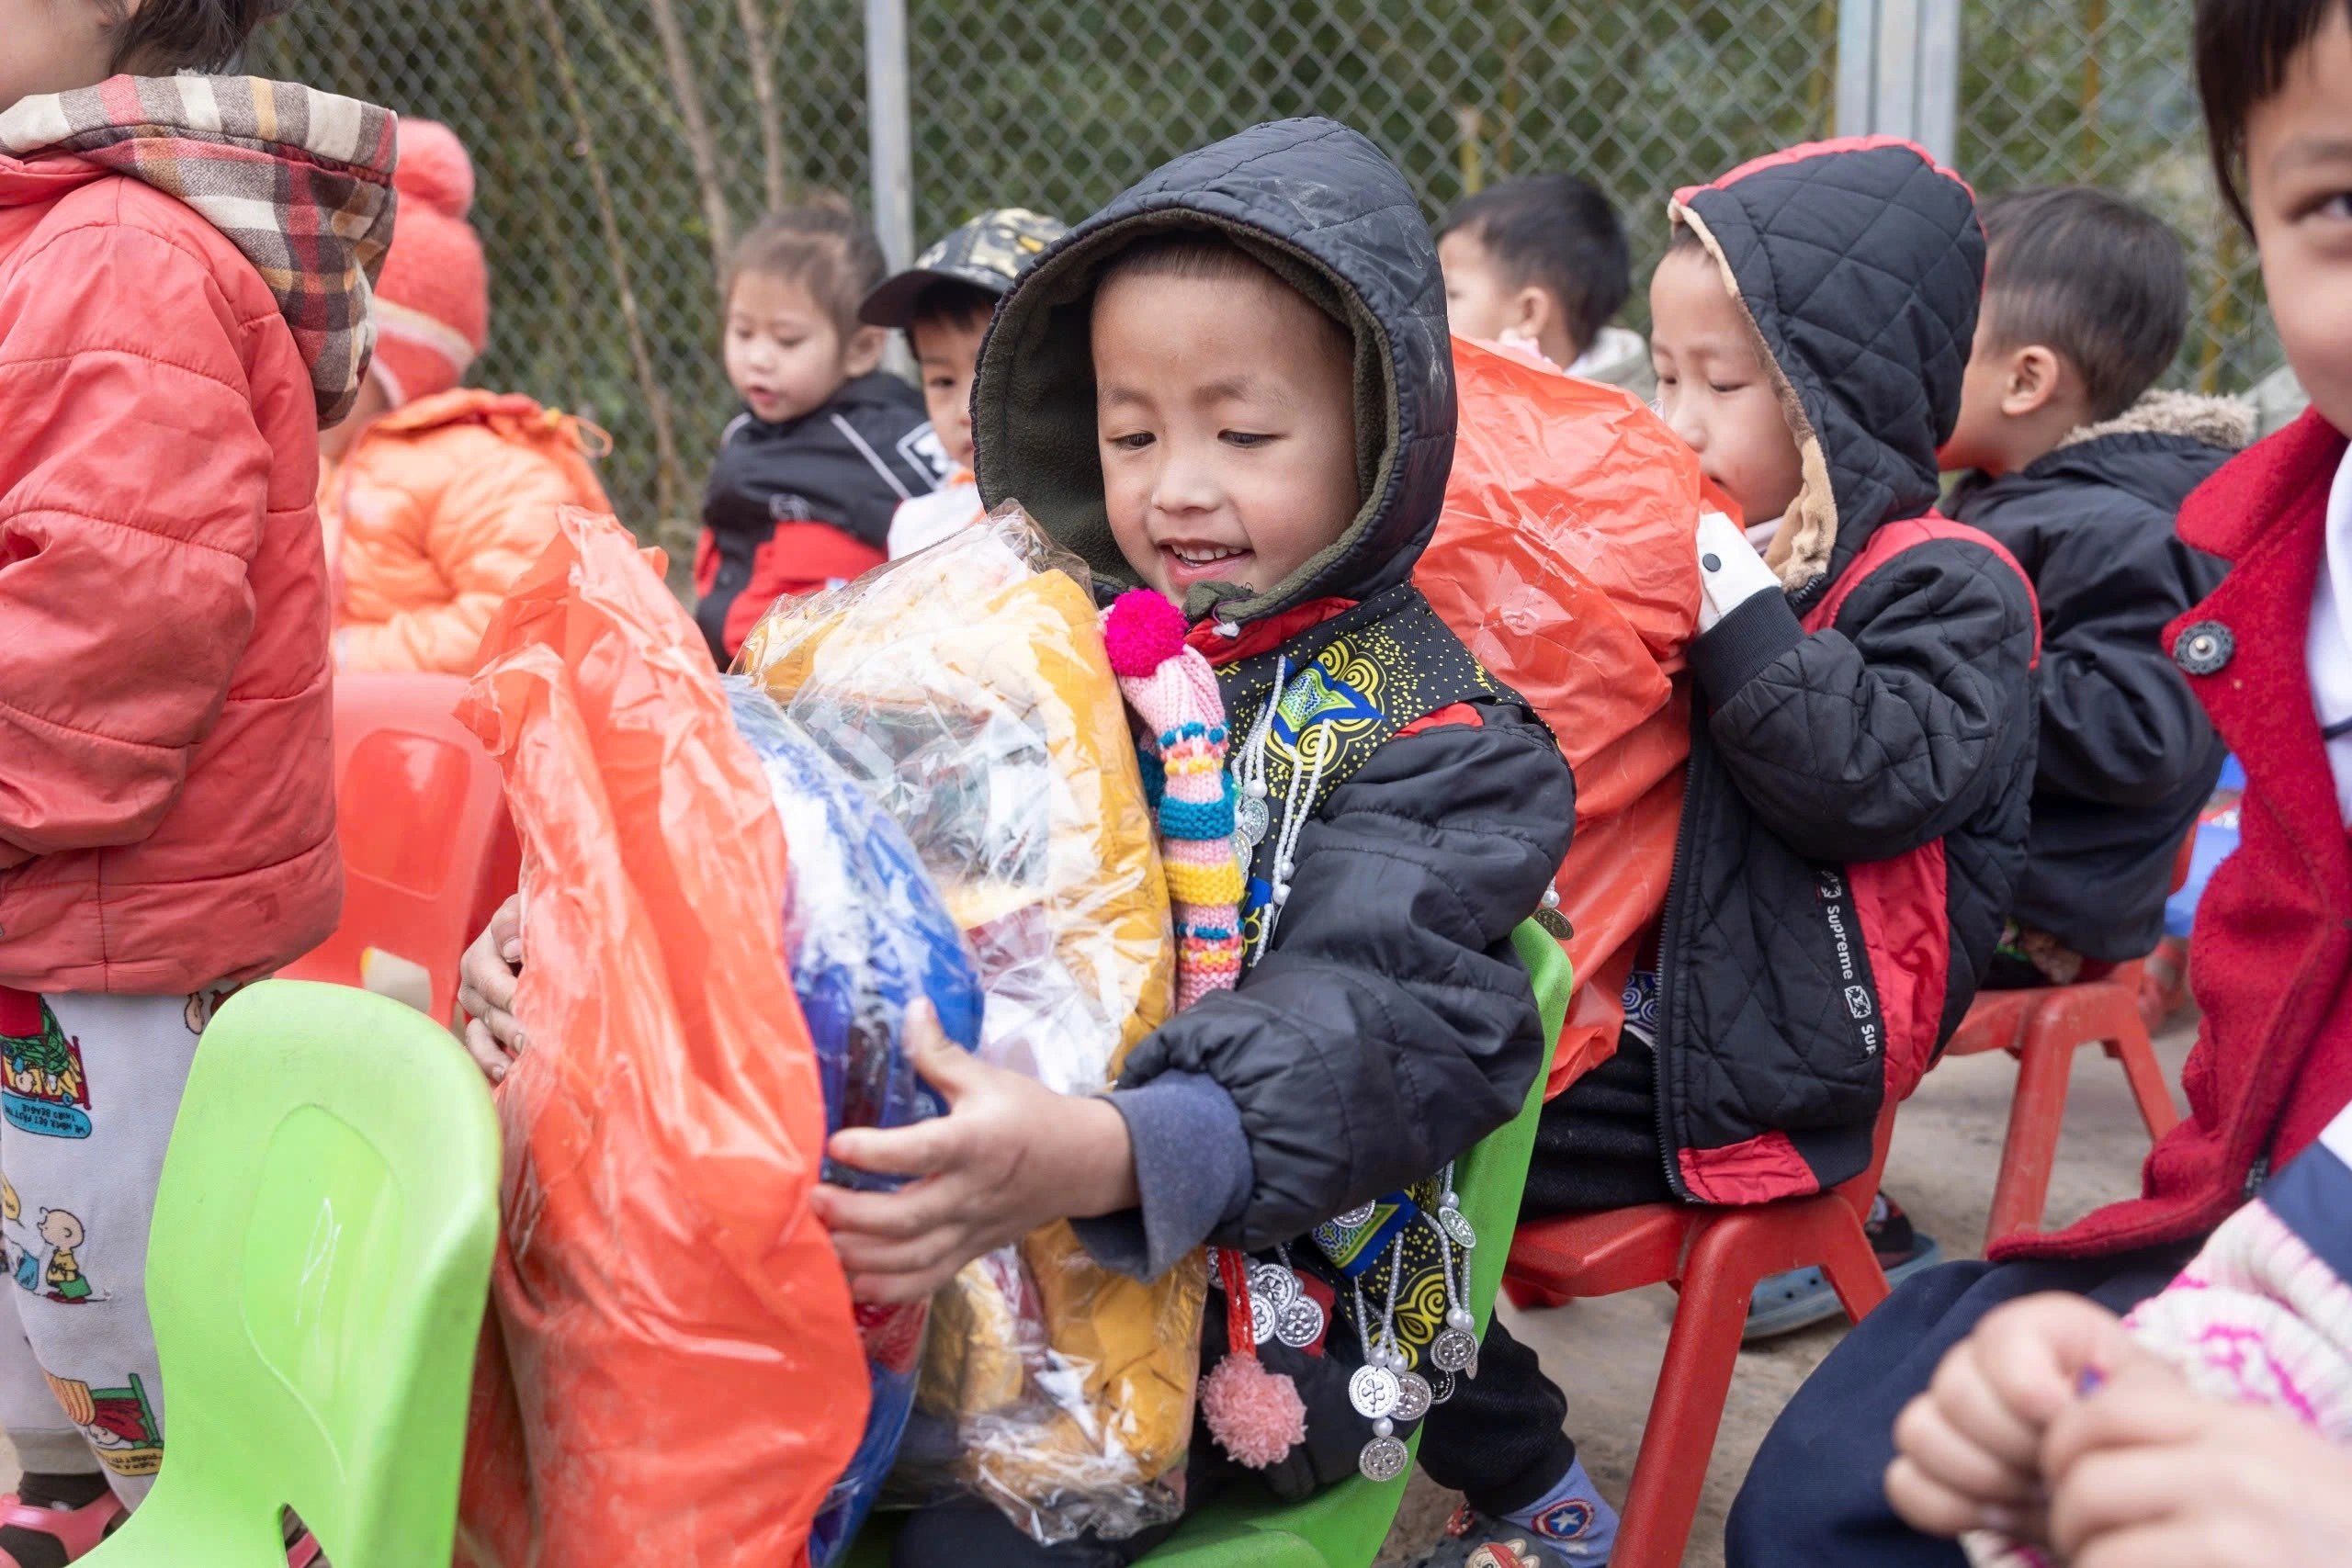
point(486, 991)
point(2148, 1473)
point(1009, 1156)
point(1968, 1451)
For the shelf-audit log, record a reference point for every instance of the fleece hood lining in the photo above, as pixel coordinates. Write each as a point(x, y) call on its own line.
point(1807, 535)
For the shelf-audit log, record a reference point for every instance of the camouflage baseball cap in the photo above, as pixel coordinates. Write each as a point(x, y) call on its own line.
point(988, 253)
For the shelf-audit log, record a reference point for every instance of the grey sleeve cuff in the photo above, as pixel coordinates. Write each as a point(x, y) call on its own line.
point(1193, 1171)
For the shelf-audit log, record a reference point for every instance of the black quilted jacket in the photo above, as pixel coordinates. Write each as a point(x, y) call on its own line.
point(1390, 1024)
point(1862, 752)
point(2128, 757)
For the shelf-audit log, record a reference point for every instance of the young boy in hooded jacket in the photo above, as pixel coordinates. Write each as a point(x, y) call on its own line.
point(1862, 752)
point(184, 297)
point(2079, 469)
point(1234, 385)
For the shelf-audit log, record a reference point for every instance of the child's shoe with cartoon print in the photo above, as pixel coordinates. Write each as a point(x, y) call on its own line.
point(1569, 1537)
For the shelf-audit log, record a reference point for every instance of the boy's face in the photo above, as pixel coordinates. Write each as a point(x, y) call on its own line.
point(53, 46)
point(947, 351)
point(2298, 188)
point(1714, 388)
point(785, 356)
point(1225, 419)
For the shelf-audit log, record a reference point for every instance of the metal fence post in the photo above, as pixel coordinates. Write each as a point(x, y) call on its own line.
point(890, 133)
point(1898, 70)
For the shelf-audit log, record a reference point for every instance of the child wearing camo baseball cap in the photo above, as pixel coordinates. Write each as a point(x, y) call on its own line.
point(942, 303)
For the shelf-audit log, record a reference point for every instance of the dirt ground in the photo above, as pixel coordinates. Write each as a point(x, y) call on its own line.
point(1947, 1150)
point(1947, 1146)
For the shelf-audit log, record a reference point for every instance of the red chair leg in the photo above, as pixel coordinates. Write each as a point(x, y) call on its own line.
point(2138, 1055)
point(2037, 1114)
point(1670, 1471)
point(1529, 1297)
point(1846, 1257)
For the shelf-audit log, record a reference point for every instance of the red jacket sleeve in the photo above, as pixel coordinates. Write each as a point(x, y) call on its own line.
point(133, 483)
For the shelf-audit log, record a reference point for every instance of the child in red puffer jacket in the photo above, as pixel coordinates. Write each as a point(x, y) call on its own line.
point(184, 296)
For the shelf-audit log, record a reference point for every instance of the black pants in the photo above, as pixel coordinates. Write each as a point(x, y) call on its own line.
point(1498, 1440)
point(1814, 1495)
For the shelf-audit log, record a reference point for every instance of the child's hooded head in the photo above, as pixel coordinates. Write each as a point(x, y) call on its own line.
point(1233, 384)
point(1838, 282)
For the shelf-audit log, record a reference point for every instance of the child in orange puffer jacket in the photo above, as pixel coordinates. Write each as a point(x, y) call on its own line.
point(435, 497)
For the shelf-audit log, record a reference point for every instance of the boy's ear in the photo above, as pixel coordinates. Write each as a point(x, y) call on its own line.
point(1531, 310)
point(2029, 383)
point(863, 351)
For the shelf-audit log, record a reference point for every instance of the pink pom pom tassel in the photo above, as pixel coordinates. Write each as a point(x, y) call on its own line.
point(1255, 1415)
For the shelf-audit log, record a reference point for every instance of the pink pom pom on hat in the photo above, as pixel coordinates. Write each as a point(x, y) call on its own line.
point(1143, 631)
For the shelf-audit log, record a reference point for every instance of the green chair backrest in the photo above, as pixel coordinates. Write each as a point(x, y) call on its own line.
point(1343, 1526)
point(317, 1272)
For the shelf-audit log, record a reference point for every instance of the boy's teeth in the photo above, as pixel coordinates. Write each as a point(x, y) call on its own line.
point(1202, 557)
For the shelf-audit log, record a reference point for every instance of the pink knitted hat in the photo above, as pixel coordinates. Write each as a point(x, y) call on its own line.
point(433, 301)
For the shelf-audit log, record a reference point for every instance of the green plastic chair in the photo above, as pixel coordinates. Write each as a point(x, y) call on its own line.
point(1344, 1526)
point(316, 1272)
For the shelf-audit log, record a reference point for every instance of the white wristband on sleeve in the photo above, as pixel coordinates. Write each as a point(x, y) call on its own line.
point(1730, 572)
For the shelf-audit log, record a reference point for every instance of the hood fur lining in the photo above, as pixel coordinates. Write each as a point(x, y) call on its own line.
point(2226, 423)
point(1802, 545)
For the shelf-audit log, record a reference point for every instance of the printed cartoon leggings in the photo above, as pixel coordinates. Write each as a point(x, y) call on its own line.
point(88, 1087)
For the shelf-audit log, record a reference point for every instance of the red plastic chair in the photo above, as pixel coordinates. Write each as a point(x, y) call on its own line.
point(2042, 1029)
point(1714, 1258)
point(428, 851)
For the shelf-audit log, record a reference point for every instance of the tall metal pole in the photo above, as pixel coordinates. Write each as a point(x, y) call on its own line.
point(1898, 70)
point(890, 133)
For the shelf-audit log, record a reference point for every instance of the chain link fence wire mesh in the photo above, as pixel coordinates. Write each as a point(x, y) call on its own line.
point(620, 144)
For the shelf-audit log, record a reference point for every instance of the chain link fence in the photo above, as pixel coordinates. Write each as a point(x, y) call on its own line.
point(621, 143)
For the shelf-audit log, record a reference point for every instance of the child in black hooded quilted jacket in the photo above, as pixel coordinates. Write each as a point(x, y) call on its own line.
point(1861, 751)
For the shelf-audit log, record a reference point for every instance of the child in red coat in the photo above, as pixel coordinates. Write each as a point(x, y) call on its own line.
point(2269, 655)
point(184, 296)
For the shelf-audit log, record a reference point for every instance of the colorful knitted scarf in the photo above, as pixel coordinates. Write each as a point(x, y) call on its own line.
point(1173, 690)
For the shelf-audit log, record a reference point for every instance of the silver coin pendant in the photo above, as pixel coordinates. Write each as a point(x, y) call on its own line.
point(1263, 1319)
point(1274, 1283)
point(1383, 1459)
point(1374, 1391)
point(1413, 1397)
point(1301, 1324)
point(1452, 1350)
point(1457, 1225)
point(1249, 819)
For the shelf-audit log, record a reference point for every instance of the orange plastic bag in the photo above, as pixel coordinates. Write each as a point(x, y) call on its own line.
point(1564, 559)
point(672, 1373)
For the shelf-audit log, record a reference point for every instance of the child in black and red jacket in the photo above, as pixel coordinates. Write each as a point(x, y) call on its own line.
point(1861, 753)
point(828, 443)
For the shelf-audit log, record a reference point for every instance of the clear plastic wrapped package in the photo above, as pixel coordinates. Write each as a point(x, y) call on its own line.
point(967, 689)
point(865, 936)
